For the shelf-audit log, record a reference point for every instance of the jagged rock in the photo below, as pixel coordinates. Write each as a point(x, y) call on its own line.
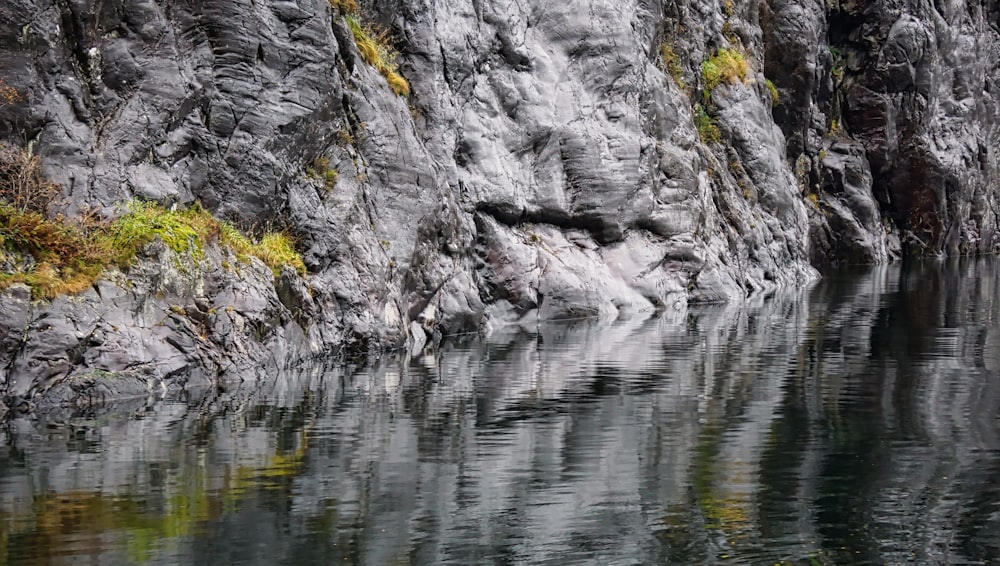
point(14, 316)
point(916, 85)
point(847, 226)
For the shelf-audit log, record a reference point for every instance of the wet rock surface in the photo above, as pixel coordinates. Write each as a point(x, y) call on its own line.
point(546, 165)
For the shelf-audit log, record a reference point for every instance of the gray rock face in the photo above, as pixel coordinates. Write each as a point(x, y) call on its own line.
point(171, 322)
point(546, 165)
point(890, 108)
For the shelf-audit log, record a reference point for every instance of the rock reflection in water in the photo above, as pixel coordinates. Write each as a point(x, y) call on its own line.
point(855, 422)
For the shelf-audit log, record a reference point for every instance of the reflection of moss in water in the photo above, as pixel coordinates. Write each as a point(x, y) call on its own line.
point(276, 475)
point(710, 508)
point(55, 516)
point(74, 518)
point(722, 510)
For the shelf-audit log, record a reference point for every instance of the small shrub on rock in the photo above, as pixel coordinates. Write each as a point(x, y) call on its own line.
point(22, 185)
point(8, 94)
point(321, 171)
point(345, 6)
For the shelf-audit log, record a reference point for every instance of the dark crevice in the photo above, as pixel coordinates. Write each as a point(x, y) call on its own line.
point(513, 216)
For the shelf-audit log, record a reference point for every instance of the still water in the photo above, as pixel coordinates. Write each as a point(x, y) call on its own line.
point(855, 422)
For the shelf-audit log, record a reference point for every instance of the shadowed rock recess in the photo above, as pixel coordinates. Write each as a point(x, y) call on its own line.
point(545, 164)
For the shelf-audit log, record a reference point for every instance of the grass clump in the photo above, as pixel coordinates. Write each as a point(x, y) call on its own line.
point(375, 47)
point(187, 230)
point(51, 257)
point(726, 66)
point(55, 257)
point(835, 128)
point(182, 231)
point(708, 132)
point(275, 249)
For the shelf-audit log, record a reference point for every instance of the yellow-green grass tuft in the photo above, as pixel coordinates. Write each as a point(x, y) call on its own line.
point(375, 47)
point(397, 83)
point(773, 91)
point(726, 66)
point(275, 249)
point(67, 259)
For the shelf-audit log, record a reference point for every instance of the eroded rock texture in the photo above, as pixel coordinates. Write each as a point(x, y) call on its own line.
point(546, 165)
point(892, 109)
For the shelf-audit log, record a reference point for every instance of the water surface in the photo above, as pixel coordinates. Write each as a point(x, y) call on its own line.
point(852, 423)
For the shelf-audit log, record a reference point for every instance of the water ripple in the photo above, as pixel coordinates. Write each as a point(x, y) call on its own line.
point(857, 422)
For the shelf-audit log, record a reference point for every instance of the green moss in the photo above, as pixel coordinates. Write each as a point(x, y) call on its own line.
point(671, 64)
point(707, 130)
point(725, 66)
point(773, 91)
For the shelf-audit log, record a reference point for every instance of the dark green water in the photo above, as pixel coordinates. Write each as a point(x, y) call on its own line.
point(856, 422)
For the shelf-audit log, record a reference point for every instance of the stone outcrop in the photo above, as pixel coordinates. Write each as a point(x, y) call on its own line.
point(891, 108)
point(546, 164)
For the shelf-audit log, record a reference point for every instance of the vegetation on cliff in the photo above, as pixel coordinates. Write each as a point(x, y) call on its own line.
point(375, 46)
point(56, 256)
point(726, 66)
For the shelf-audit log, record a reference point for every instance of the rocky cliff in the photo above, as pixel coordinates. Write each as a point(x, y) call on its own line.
point(546, 160)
